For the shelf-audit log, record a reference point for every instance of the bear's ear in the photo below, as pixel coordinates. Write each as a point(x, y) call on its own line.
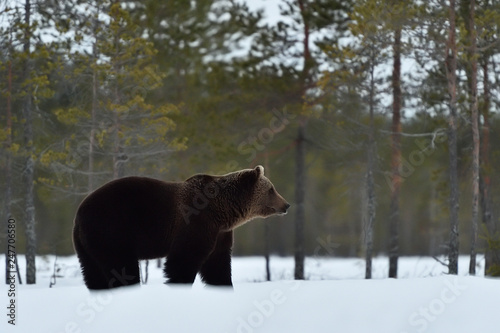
point(259, 169)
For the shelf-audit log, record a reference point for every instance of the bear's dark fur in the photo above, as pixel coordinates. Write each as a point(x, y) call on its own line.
point(191, 223)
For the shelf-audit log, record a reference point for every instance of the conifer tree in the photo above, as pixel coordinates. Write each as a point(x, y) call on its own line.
point(29, 171)
point(115, 77)
point(201, 50)
point(472, 59)
point(28, 62)
point(294, 41)
point(451, 75)
point(488, 16)
point(373, 22)
point(6, 137)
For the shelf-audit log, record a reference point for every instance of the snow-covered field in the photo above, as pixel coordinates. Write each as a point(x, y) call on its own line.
point(335, 298)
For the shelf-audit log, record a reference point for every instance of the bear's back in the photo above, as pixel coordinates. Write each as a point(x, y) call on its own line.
point(131, 210)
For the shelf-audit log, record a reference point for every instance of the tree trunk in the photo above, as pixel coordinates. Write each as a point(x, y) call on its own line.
point(8, 168)
point(300, 182)
point(370, 184)
point(300, 172)
point(451, 74)
point(145, 276)
point(491, 256)
point(29, 168)
point(93, 112)
point(119, 157)
point(396, 157)
point(118, 153)
point(475, 139)
point(267, 229)
point(267, 255)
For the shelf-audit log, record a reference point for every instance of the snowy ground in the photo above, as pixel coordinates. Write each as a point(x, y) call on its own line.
point(335, 298)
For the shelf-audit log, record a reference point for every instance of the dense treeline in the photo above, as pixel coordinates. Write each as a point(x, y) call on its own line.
point(93, 91)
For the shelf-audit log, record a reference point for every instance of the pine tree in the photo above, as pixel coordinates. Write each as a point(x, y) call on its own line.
point(131, 74)
point(451, 75)
point(114, 80)
point(28, 62)
point(200, 50)
point(6, 138)
point(475, 132)
point(373, 22)
point(307, 18)
point(487, 15)
point(396, 143)
point(29, 171)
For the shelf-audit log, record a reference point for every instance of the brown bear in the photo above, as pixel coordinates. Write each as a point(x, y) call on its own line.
point(191, 223)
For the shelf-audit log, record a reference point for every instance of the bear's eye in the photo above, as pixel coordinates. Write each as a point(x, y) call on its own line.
point(271, 190)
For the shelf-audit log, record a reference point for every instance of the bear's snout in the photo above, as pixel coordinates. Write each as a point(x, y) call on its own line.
point(285, 208)
point(276, 209)
point(279, 204)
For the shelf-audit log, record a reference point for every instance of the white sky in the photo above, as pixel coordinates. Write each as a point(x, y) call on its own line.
point(271, 7)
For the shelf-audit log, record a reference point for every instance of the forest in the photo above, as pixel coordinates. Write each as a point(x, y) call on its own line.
point(377, 120)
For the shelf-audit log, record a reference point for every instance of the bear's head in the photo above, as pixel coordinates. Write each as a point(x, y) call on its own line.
point(265, 201)
point(235, 198)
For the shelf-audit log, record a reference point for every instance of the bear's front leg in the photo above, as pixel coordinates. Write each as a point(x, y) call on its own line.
point(188, 252)
point(217, 268)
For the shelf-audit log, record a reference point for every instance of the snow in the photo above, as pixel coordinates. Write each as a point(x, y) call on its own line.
point(334, 298)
